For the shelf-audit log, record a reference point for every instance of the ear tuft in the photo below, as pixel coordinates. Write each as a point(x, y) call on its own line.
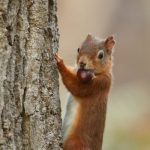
point(109, 42)
point(89, 37)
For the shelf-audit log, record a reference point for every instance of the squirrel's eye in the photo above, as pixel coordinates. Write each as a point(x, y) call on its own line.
point(78, 50)
point(101, 54)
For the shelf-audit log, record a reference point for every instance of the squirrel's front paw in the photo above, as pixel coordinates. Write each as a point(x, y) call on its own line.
point(58, 59)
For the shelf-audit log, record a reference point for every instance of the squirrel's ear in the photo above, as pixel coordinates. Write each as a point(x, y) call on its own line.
point(89, 37)
point(109, 43)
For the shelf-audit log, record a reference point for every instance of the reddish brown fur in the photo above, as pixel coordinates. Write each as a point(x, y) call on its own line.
point(87, 132)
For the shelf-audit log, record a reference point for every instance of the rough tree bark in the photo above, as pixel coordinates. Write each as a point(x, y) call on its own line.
point(29, 99)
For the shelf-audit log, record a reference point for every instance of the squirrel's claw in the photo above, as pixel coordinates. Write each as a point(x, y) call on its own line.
point(58, 58)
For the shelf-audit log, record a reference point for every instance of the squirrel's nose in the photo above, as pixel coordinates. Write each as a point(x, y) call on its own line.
point(82, 64)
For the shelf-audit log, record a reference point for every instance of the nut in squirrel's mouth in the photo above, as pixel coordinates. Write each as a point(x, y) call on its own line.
point(85, 75)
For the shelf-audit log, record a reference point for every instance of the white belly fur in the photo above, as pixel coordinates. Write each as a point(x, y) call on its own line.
point(70, 114)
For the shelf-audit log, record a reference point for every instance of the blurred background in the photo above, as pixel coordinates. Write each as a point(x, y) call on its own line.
point(128, 115)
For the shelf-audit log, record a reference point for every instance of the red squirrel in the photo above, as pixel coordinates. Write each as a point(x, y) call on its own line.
point(89, 86)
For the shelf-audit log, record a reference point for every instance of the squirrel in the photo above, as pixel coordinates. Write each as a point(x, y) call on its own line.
point(89, 86)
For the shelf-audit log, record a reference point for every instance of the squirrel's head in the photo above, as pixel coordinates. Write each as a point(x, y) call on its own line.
point(95, 54)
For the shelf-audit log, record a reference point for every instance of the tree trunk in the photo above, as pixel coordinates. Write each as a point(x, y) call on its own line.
point(29, 99)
